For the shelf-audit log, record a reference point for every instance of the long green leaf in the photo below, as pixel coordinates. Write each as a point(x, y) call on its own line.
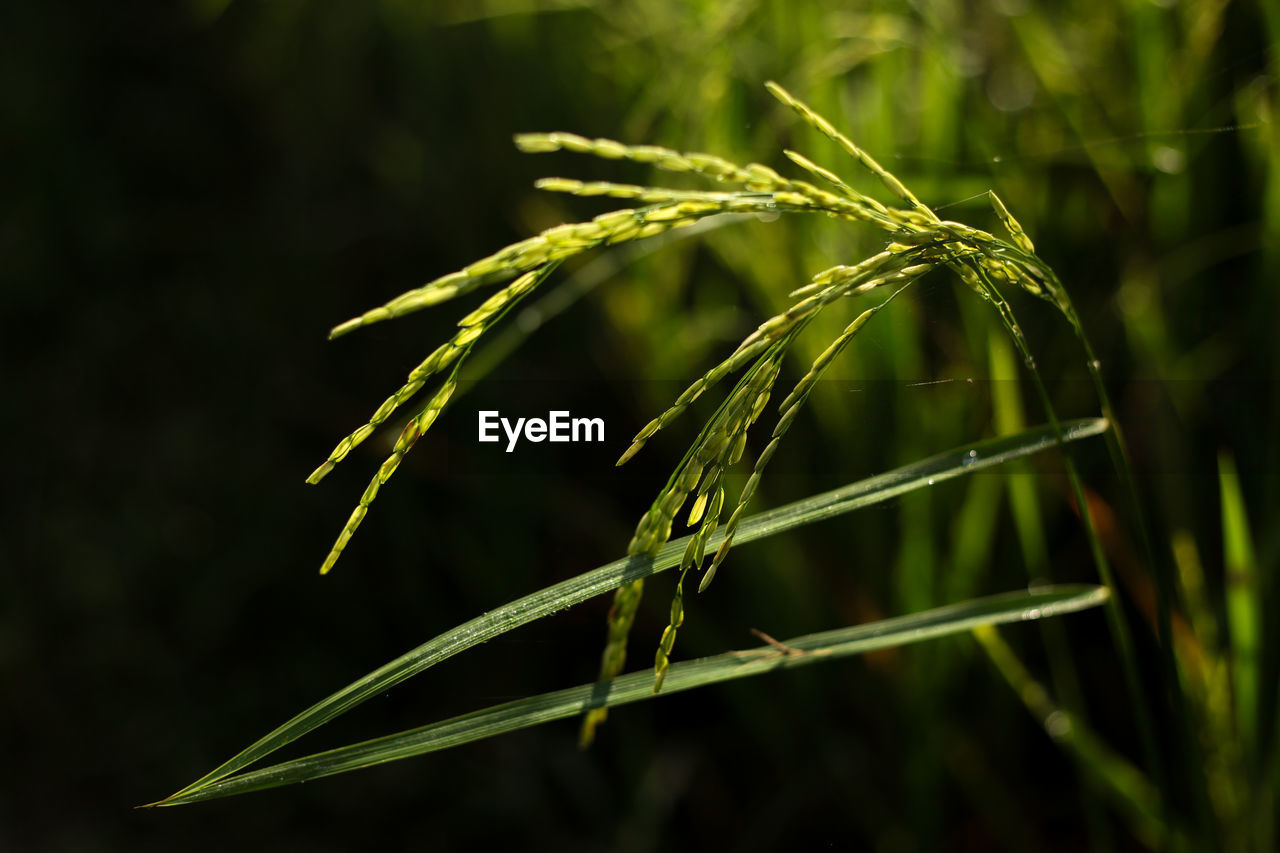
point(935, 469)
point(638, 686)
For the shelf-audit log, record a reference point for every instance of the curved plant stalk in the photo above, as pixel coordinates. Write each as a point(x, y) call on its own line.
point(762, 191)
point(714, 449)
point(1162, 573)
point(945, 466)
point(535, 710)
point(693, 557)
point(984, 278)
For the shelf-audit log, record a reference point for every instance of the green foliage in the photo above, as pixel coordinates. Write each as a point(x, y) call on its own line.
point(200, 187)
point(535, 710)
point(1122, 136)
point(920, 242)
point(622, 573)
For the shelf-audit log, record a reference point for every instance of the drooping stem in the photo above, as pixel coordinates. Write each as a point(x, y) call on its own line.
point(1120, 460)
point(1115, 617)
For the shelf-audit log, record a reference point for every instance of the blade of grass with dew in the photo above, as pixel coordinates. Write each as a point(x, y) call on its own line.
point(638, 686)
point(944, 466)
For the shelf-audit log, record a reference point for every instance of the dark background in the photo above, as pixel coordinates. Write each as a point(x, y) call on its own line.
point(195, 192)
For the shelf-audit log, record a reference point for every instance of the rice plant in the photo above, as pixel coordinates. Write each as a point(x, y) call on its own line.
point(918, 242)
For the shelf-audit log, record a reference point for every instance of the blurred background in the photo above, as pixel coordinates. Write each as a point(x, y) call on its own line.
point(196, 191)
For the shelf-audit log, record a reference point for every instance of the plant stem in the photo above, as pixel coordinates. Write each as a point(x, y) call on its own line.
point(1191, 756)
point(1115, 617)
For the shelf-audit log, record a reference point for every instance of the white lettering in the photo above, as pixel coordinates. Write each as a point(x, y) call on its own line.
point(487, 424)
point(559, 426)
point(512, 434)
point(587, 424)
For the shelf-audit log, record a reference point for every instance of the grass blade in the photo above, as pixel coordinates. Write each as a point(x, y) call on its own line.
point(1128, 789)
point(936, 469)
point(1243, 611)
point(638, 686)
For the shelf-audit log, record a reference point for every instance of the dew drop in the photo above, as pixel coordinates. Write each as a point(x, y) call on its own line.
point(970, 458)
point(1058, 725)
point(930, 481)
point(1095, 364)
point(1169, 160)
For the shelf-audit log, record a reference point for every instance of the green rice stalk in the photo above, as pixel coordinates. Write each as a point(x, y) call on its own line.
point(1014, 227)
point(409, 436)
point(472, 326)
point(553, 244)
point(666, 159)
point(828, 130)
point(979, 272)
point(788, 411)
point(920, 242)
point(653, 531)
point(1207, 672)
point(726, 437)
point(1162, 572)
point(823, 174)
point(942, 467)
point(455, 352)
